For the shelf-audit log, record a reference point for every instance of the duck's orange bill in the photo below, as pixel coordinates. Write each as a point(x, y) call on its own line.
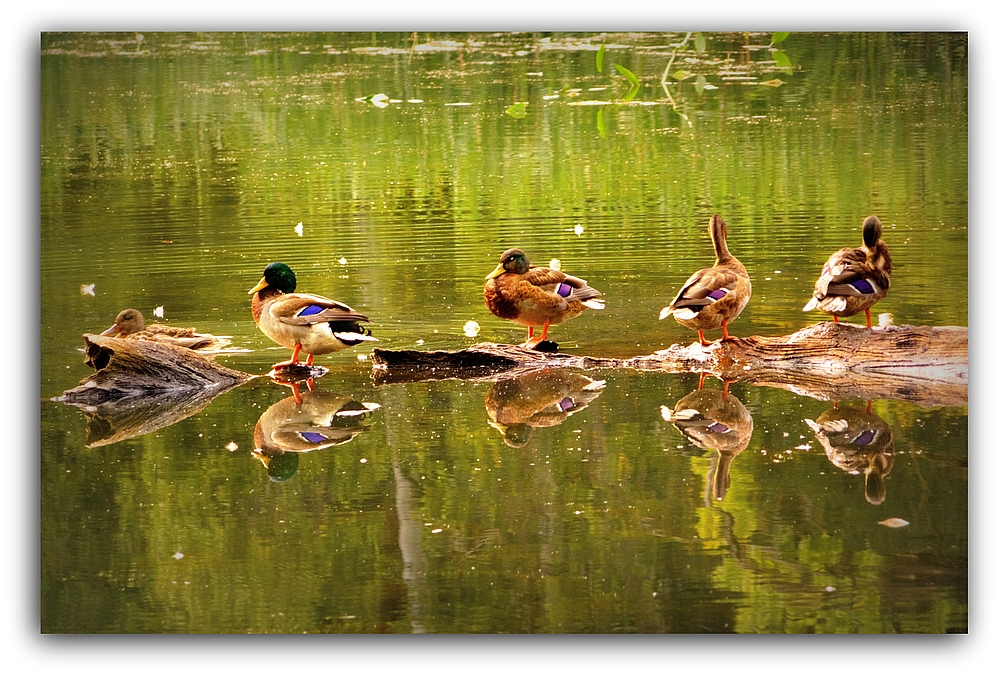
point(497, 272)
point(111, 331)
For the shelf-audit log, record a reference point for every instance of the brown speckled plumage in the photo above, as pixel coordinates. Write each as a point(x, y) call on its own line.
point(712, 297)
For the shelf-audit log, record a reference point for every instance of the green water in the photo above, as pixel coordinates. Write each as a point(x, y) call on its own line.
point(175, 167)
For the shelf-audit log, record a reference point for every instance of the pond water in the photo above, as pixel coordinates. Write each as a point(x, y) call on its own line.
point(174, 167)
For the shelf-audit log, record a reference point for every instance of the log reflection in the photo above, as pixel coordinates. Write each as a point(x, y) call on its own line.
point(714, 420)
point(856, 440)
point(518, 405)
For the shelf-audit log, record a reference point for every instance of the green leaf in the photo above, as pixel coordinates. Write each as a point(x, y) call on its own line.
point(600, 58)
point(629, 75)
point(600, 123)
point(518, 110)
point(773, 83)
point(699, 42)
point(632, 91)
point(681, 75)
point(781, 58)
point(699, 84)
point(778, 37)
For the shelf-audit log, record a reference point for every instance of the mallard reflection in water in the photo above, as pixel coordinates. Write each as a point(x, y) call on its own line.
point(321, 420)
point(716, 420)
point(857, 441)
point(542, 398)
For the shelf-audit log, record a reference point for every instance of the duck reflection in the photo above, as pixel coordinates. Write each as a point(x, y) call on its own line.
point(518, 405)
point(857, 441)
point(303, 422)
point(716, 420)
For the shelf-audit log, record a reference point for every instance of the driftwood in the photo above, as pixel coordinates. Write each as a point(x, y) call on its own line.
point(142, 385)
point(926, 365)
point(127, 368)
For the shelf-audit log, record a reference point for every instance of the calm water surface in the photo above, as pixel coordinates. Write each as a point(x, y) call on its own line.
point(176, 166)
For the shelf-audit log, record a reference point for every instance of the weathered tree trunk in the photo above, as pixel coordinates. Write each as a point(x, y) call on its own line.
point(828, 361)
point(142, 385)
point(127, 368)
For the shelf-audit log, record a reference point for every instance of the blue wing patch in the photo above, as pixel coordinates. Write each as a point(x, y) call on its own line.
point(863, 286)
point(310, 310)
point(313, 437)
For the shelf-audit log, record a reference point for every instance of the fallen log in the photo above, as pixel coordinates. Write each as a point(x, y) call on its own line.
point(132, 368)
point(828, 361)
point(142, 385)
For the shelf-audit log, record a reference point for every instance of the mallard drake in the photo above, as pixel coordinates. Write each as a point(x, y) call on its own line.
point(857, 441)
point(301, 321)
point(542, 398)
point(713, 297)
point(854, 279)
point(536, 296)
point(131, 324)
point(716, 420)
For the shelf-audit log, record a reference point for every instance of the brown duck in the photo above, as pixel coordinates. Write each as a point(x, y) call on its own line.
point(713, 297)
point(131, 324)
point(854, 279)
point(536, 296)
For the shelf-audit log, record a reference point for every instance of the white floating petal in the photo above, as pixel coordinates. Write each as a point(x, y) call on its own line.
point(343, 261)
point(298, 229)
point(471, 328)
point(555, 264)
point(232, 447)
point(87, 289)
point(158, 312)
point(894, 522)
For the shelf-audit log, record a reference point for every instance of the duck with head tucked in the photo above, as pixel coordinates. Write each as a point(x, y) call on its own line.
point(131, 324)
point(536, 296)
point(713, 297)
point(854, 279)
point(303, 322)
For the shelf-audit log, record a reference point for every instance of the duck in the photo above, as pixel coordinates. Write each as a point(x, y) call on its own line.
point(713, 297)
point(854, 279)
point(131, 324)
point(536, 296)
point(303, 322)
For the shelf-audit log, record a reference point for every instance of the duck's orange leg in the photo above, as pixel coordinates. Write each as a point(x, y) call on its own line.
point(701, 339)
point(835, 320)
point(725, 332)
point(868, 315)
point(309, 361)
point(869, 408)
point(701, 380)
point(531, 332)
point(294, 361)
point(535, 341)
point(725, 389)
